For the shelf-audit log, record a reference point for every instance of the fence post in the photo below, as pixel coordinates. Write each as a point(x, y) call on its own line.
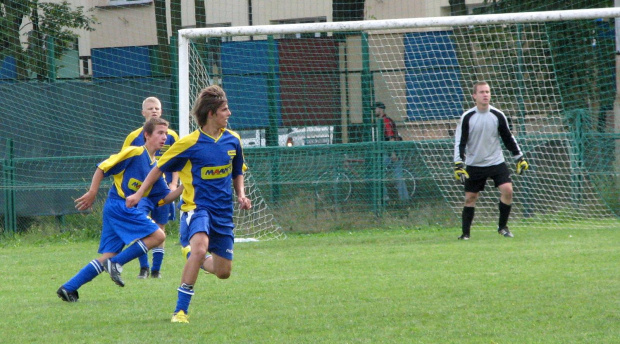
point(578, 128)
point(8, 179)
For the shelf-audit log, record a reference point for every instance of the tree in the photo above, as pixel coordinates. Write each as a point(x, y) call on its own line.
point(44, 22)
point(458, 8)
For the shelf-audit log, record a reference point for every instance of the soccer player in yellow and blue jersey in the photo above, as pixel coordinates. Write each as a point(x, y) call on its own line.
point(151, 107)
point(123, 225)
point(209, 161)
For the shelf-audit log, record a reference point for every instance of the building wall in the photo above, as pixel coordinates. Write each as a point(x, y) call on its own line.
point(134, 25)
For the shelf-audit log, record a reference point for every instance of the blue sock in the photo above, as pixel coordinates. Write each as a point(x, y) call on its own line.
point(184, 298)
point(158, 257)
point(130, 253)
point(90, 271)
point(144, 261)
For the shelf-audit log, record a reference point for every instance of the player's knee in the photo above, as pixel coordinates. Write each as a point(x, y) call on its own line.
point(199, 252)
point(506, 191)
point(470, 199)
point(159, 236)
point(222, 273)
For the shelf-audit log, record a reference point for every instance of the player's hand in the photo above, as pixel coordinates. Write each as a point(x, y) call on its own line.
point(86, 201)
point(173, 186)
point(244, 203)
point(132, 200)
point(459, 172)
point(522, 165)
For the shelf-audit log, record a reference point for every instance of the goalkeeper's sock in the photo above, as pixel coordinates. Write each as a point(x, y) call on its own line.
point(144, 260)
point(504, 213)
point(158, 258)
point(467, 218)
point(185, 293)
point(90, 271)
point(132, 252)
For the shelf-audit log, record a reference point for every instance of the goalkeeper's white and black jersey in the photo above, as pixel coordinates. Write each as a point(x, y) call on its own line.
point(477, 138)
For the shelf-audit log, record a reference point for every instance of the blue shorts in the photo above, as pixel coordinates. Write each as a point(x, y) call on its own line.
point(161, 215)
point(122, 225)
point(219, 231)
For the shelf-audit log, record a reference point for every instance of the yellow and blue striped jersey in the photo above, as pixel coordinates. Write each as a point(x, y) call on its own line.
point(136, 138)
point(128, 169)
point(206, 167)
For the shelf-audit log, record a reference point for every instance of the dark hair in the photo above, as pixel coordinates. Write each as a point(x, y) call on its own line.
point(209, 100)
point(152, 123)
point(380, 105)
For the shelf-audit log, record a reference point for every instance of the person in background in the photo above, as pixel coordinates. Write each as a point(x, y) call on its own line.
point(389, 126)
point(392, 162)
point(151, 108)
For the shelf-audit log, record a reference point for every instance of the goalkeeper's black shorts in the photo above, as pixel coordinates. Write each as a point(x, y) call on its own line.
point(500, 174)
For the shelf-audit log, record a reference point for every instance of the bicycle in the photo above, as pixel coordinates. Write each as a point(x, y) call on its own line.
point(336, 187)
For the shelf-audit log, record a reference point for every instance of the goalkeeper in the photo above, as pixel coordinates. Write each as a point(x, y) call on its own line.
point(478, 156)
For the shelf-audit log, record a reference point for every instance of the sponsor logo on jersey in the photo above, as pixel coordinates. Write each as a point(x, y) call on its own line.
point(134, 184)
point(232, 152)
point(216, 172)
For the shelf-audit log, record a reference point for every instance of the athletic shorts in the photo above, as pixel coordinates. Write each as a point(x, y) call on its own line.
point(122, 225)
point(161, 215)
point(478, 176)
point(219, 231)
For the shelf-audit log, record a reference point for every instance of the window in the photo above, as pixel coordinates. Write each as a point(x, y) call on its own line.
point(85, 67)
point(301, 21)
point(127, 2)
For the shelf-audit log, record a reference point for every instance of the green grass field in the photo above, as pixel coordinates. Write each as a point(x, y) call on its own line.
point(396, 286)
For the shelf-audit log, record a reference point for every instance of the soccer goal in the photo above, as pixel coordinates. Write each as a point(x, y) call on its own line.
point(552, 73)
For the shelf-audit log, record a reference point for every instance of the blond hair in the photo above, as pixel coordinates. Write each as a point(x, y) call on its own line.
point(479, 83)
point(150, 100)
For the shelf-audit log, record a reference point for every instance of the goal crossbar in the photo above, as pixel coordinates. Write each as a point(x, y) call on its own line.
point(394, 24)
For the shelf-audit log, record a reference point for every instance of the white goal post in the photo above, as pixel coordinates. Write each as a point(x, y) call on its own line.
point(422, 68)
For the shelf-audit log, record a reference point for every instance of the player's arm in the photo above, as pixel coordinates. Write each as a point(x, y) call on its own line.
point(148, 182)
point(87, 200)
point(174, 183)
point(171, 197)
point(239, 168)
point(239, 185)
point(460, 142)
point(511, 144)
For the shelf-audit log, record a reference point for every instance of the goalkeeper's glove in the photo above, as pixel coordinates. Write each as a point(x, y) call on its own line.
point(459, 172)
point(522, 165)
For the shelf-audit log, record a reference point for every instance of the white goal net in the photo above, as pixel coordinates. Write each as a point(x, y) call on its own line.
point(550, 72)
